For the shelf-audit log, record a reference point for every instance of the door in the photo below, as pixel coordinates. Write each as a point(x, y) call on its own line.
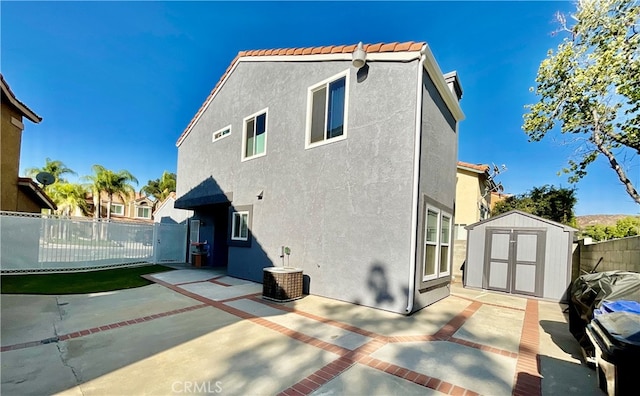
point(514, 261)
point(194, 236)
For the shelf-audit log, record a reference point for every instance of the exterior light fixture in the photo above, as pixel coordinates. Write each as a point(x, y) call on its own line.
point(359, 56)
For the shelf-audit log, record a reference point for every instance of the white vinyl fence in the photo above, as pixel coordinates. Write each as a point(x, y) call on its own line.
point(35, 243)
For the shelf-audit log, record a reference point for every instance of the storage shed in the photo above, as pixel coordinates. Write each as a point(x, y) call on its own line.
point(519, 253)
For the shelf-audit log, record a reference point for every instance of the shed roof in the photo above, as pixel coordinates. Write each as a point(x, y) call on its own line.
point(512, 212)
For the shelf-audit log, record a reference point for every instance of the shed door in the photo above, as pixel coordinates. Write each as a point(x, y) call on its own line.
point(514, 261)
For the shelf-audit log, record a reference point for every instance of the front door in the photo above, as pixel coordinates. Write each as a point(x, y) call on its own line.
point(514, 261)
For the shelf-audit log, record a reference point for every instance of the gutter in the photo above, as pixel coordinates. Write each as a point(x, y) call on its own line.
point(416, 179)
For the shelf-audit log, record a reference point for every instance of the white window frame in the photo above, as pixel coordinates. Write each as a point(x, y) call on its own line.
point(143, 206)
point(310, 91)
point(238, 215)
point(448, 244)
point(264, 111)
point(438, 244)
point(227, 128)
point(119, 205)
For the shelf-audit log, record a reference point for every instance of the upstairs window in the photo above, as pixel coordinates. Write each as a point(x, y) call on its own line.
point(327, 110)
point(221, 133)
point(254, 138)
point(143, 211)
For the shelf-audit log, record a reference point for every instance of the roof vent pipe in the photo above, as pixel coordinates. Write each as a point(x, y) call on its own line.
point(359, 56)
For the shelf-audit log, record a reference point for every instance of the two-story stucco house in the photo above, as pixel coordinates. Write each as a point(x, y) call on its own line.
point(17, 194)
point(344, 154)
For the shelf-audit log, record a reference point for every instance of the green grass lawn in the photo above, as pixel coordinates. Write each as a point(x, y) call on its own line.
point(79, 282)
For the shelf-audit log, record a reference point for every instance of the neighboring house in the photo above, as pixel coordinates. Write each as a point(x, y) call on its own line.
point(166, 213)
point(18, 194)
point(473, 204)
point(473, 196)
point(351, 165)
point(136, 207)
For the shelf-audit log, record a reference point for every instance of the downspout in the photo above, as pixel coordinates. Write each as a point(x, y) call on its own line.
point(416, 177)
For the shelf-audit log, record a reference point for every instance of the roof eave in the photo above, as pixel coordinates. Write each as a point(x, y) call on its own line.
point(436, 75)
point(22, 108)
point(35, 189)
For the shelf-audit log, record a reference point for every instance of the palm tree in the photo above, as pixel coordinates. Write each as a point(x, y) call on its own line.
point(56, 168)
point(111, 183)
point(69, 197)
point(162, 187)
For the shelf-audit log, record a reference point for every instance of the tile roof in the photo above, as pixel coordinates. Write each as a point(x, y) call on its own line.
point(478, 167)
point(23, 108)
point(409, 46)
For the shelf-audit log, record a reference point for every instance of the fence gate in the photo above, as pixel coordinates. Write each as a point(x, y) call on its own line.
point(36, 243)
point(170, 243)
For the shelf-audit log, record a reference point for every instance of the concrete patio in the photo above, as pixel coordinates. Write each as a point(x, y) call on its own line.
point(202, 332)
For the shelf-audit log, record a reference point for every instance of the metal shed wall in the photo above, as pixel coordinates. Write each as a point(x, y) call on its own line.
point(557, 255)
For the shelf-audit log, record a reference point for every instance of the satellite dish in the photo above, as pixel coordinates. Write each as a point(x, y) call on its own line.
point(45, 178)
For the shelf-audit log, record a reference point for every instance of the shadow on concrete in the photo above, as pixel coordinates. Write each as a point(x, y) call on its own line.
point(562, 377)
point(561, 336)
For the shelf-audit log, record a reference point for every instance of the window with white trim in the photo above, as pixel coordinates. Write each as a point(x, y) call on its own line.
point(117, 209)
point(254, 135)
point(327, 110)
point(437, 244)
point(445, 237)
point(224, 132)
point(143, 212)
point(240, 226)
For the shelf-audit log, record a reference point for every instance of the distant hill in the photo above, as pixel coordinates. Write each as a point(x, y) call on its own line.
point(602, 219)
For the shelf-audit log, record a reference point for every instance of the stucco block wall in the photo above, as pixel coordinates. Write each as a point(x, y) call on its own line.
point(459, 255)
point(618, 254)
point(343, 208)
point(10, 140)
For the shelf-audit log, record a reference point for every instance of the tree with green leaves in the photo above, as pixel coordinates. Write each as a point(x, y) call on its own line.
point(629, 226)
point(590, 87)
point(111, 183)
point(54, 167)
point(162, 187)
point(69, 197)
point(549, 202)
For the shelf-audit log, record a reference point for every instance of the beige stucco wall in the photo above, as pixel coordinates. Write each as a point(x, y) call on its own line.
point(10, 140)
point(468, 194)
point(467, 211)
point(618, 254)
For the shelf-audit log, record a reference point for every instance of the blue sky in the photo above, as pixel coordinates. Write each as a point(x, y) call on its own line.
point(117, 82)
